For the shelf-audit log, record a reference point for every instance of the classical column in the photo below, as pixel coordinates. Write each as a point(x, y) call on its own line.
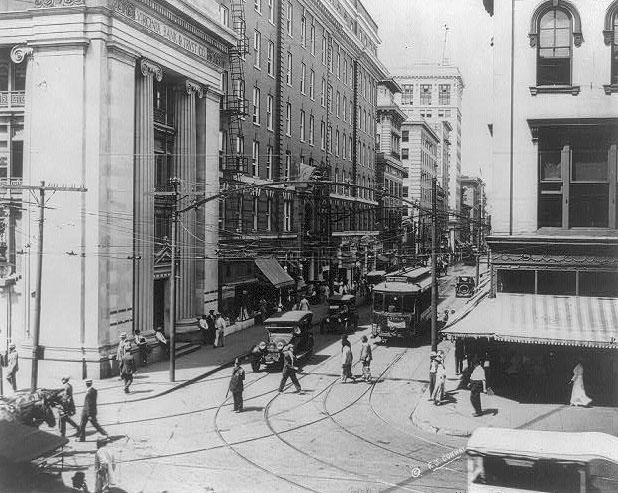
point(143, 205)
point(185, 167)
point(208, 215)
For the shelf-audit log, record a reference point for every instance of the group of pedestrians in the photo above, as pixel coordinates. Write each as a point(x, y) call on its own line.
point(212, 327)
point(366, 356)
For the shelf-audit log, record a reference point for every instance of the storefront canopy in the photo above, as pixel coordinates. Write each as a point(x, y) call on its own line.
point(275, 274)
point(541, 319)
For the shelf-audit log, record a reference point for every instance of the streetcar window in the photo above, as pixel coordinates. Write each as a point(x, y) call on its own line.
point(378, 301)
point(392, 303)
point(408, 304)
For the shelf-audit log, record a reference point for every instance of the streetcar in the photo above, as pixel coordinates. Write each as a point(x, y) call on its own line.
point(401, 304)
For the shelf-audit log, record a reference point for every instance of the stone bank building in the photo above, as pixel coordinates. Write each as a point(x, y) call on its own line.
point(117, 96)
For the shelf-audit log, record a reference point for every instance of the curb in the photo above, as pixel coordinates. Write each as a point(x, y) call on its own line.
point(426, 425)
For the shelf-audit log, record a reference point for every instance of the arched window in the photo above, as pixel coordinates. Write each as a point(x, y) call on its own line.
point(554, 49)
point(610, 35)
point(615, 51)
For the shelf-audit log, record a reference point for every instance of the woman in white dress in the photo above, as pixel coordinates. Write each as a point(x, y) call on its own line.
point(578, 393)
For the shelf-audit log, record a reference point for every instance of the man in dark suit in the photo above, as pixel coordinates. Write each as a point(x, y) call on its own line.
point(66, 407)
point(89, 412)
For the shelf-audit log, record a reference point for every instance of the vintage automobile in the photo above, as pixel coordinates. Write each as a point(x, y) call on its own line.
point(341, 316)
point(283, 328)
point(465, 286)
point(504, 460)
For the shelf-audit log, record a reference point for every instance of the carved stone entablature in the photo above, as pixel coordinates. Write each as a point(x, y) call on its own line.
point(533, 35)
point(47, 4)
point(20, 52)
point(524, 260)
point(194, 88)
point(148, 67)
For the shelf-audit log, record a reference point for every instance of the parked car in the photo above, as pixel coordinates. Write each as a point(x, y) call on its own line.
point(341, 316)
point(504, 460)
point(283, 328)
point(465, 286)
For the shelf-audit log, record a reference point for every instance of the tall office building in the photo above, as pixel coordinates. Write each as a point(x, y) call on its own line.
point(434, 93)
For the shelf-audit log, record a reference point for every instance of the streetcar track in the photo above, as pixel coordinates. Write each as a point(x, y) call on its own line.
point(277, 434)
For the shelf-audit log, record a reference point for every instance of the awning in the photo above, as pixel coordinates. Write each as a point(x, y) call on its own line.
point(275, 274)
point(21, 443)
point(542, 319)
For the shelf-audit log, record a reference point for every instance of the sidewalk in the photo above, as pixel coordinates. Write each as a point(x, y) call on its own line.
point(153, 381)
point(455, 417)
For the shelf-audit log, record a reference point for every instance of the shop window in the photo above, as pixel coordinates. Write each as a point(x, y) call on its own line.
point(556, 283)
point(601, 284)
point(515, 281)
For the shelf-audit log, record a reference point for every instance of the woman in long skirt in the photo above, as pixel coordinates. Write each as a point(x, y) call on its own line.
point(578, 393)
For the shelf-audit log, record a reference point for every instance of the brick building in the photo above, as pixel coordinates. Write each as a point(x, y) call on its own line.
point(306, 87)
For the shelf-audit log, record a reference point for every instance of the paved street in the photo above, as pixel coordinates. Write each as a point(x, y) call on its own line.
point(333, 437)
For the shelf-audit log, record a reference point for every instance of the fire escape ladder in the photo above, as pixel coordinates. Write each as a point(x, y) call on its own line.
point(234, 160)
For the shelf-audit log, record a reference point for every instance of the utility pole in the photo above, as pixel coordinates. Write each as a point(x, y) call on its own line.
point(36, 329)
point(434, 259)
point(174, 182)
point(479, 224)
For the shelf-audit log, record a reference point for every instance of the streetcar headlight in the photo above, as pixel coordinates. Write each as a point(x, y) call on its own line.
point(262, 345)
point(279, 345)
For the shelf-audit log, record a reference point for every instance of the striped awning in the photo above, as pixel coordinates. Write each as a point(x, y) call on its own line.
point(542, 319)
point(272, 270)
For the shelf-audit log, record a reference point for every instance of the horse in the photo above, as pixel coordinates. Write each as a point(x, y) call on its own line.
point(31, 408)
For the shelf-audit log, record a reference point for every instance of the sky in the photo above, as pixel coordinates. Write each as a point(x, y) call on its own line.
point(412, 31)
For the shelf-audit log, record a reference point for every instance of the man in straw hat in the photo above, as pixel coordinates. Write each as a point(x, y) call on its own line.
point(66, 407)
point(89, 412)
point(289, 368)
point(433, 367)
point(236, 385)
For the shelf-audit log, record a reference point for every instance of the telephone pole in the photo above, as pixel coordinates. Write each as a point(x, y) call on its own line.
point(174, 182)
point(36, 329)
point(434, 259)
point(479, 226)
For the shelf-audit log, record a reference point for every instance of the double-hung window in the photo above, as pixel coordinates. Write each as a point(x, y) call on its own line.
point(269, 112)
point(269, 163)
point(287, 215)
point(270, 61)
point(554, 49)
point(302, 126)
point(289, 21)
point(425, 94)
point(312, 84)
point(303, 31)
point(255, 158)
point(256, 105)
point(312, 36)
point(311, 129)
point(303, 78)
point(288, 119)
point(257, 49)
point(288, 165)
point(271, 11)
point(288, 73)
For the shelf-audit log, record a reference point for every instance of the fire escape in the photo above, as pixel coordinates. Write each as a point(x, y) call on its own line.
point(234, 162)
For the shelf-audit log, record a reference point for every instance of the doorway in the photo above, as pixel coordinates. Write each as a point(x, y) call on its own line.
point(159, 297)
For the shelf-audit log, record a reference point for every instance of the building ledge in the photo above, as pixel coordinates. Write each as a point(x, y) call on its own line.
point(563, 89)
point(610, 88)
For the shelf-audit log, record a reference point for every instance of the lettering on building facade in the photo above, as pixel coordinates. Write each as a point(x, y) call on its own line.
point(212, 51)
